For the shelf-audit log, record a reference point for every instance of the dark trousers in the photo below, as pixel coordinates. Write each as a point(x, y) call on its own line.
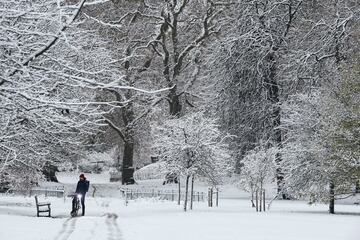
point(82, 204)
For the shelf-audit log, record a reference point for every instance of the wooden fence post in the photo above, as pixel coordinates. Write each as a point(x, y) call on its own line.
point(126, 197)
point(94, 187)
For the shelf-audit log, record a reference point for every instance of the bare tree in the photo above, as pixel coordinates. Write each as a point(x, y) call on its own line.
point(271, 53)
point(53, 67)
point(314, 159)
point(193, 146)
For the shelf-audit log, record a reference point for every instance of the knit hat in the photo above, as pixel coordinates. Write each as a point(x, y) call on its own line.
point(82, 175)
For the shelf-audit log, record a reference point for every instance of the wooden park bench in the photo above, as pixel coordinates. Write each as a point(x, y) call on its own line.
point(42, 207)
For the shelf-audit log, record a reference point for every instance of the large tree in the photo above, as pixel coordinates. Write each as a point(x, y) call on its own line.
point(318, 118)
point(53, 65)
point(156, 42)
point(272, 52)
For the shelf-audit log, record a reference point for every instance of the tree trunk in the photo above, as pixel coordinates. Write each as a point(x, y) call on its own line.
point(257, 200)
point(127, 167)
point(174, 102)
point(128, 118)
point(332, 198)
point(260, 200)
point(252, 199)
point(186, 192)
point(179, 196)
point(273, 90)
point(192, 192)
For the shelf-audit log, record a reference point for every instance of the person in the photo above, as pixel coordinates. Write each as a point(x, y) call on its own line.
point(82, 188)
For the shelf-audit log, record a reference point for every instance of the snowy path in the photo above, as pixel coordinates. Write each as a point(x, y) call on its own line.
point(68, 228)
point(113, 228)
point(105, 227)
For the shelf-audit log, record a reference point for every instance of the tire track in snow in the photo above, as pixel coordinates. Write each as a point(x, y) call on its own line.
point(67, 229)
point(114, 232)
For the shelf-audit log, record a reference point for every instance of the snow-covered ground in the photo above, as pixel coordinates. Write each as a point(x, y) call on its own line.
point(107, 217)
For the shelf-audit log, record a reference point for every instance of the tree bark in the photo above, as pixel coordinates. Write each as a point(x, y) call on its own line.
point(357, 186)
point(174, 102)
point(260, 200)
point(273, 90)
point(127, 167)
point(252, 199)
point(186, 192)
point(257, 200)
point(192, 192)
point(179, 196)
point(332, 198)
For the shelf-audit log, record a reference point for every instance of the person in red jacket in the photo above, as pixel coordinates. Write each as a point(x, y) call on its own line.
point(82, 188)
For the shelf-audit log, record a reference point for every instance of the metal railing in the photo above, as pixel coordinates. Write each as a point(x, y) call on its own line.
point(58, 191)
point(169, 195)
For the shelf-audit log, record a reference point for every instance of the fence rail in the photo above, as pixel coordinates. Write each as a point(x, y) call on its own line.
point(170, 195)
point(48, 192)
point(213, 193)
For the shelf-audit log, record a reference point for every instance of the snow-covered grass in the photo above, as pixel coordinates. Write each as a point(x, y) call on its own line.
point(234, 219)
point(109, 218)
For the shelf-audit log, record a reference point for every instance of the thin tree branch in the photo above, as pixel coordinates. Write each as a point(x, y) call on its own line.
point(51, 42)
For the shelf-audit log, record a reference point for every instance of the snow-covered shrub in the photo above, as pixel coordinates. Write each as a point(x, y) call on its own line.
point(193, 145)
point(29, 178)
point(321, 153)
point(96, 162)
point(151, 172)
point(258, 168)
